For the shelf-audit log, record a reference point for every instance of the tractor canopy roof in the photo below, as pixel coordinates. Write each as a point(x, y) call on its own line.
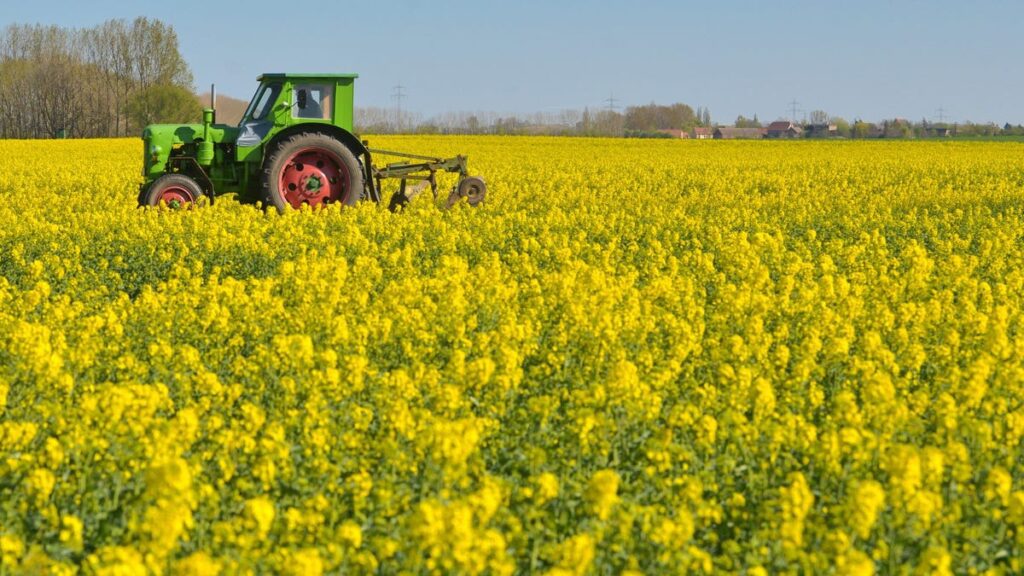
point(304, 76)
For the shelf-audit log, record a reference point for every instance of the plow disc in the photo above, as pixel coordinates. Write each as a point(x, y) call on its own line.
point(473, 189)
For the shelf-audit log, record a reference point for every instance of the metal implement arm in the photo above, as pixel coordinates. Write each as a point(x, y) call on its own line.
point(424, 172)
point(405, 169)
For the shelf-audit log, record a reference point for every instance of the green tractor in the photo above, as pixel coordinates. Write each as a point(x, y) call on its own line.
point(293, 147)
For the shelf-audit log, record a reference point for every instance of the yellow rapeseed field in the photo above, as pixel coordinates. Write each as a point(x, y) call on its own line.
point(638, 357)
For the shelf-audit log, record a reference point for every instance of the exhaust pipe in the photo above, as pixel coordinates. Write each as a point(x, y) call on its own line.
point(213, 101)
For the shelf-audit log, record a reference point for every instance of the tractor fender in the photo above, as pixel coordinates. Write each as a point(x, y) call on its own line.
point(344, 136)
point(348, 139)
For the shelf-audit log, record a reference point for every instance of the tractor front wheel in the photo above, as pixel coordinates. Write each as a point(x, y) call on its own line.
point(175, 191)
point(311, 169)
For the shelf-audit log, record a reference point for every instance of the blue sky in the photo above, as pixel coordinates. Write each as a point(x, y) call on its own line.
point(870, 59)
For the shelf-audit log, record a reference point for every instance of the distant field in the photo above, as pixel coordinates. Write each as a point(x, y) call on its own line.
point(639, 356)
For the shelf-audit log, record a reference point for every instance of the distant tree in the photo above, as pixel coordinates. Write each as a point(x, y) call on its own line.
point(373, 120)
point(818, 117)
point(658, 117)
point(703, 116)
point(609, 123)
point(164, 104)
point(586, 123)
point(842, 126)
point(100, 81)
point(426, 128)
point(1011, 130)
point(744, 122)
point(860, 129)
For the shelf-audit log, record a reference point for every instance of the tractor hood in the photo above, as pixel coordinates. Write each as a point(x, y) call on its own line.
point(159, 139)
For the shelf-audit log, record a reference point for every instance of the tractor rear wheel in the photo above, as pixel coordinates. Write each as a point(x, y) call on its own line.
point(175, 191)
point(311, 169)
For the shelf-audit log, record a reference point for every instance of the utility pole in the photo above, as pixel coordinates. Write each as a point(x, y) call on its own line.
point(611, 103)
point(794, 108)
point(397, 94)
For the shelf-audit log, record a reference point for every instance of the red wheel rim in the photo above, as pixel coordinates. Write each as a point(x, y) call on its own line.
point(313, 176)
point(175, 197)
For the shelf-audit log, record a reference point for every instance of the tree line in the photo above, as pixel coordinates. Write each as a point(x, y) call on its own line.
point(645, 120)
point(106, 81)
point(893, 127)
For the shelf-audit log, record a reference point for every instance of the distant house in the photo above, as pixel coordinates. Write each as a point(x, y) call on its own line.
point(943, 131)
point(730, 133)
point(783, 129)
point(821, 130)
point(702, 133)
point(675, 133)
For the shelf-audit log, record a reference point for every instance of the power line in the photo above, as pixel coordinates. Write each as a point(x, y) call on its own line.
point(941, 113)
point(397, 94)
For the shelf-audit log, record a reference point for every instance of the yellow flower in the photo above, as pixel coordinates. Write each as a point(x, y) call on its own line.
point(11, 550)
point(197, 564)
point(169, 478)
point(547, 488)
point(40, 483)
point(350, 534)
point(305, 562)
point(261, 511)
point(575, 556)
point(116, 561)
point(797, 501)
point(934, 562)
point(71, 532)
point(998, 485)
point(865, 503)
point(602, 492)
point(904, 467)
point(855, 563)
point(1015, 509)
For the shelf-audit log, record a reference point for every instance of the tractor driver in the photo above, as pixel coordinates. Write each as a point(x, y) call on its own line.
point(313, 108)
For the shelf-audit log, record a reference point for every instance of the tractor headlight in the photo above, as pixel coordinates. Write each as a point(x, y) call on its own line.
point(154, 152)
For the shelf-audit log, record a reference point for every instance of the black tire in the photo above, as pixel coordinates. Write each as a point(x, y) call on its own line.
point(174, 190)
point(280, 159)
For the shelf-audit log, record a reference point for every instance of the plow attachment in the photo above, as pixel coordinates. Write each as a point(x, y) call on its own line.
point(422, 172)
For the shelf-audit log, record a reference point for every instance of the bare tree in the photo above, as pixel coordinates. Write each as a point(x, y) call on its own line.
point(84, 82)
point(818, 117)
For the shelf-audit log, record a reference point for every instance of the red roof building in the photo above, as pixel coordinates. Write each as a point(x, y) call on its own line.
point(784, 129)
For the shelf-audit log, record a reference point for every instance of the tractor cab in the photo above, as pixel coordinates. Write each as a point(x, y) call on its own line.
point(283, 100)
